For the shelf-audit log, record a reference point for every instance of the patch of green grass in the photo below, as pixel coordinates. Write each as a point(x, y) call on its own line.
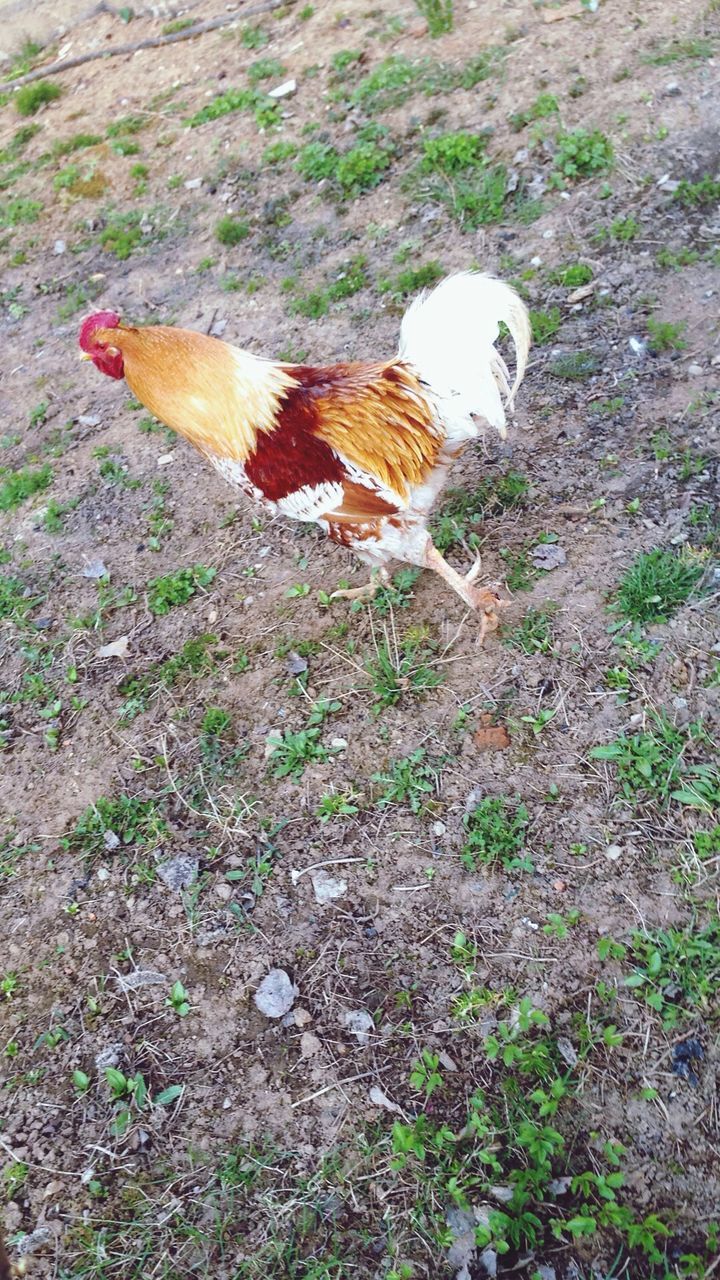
point(625, 229)
point(31, 97)
point(265, 69)
point(350, 279)
point(19, 210)
point(17, 486)
point(400, 669)
point(398, 78)
point(572, 275)
point(438, 14)
point(694, 195)
point(178, 24)
point(177, 588)
point(126, 126)
point(109, 824)
point(317, 160)
point(410, 781)
point(291, 752)
point(656, 765)
point(674, 259)
point(409, 282)
point(231, 230)
point(122, 234)
point(656, 585)
point(15, 601)
point(678, 50)
point(195, 658)
point(79, 141)
point(576, 366)
point(677, 972)
point(545, 324)
point(361, 168)
point(664, 335)
point(464, 508)
point(495, 833)
point(581, 153)
point(534, 633)
point(453, 153)
point(279, 151)
point(254, 37)
point(266, 110)
point(18, 142)
point(546, 104)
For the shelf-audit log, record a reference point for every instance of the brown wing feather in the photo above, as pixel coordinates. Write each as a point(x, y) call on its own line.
point(377, 417)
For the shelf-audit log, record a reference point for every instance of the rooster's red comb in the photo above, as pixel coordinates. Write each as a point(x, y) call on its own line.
point(100, 320)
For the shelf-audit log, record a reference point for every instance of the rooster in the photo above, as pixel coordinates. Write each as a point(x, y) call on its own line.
point(364, 449)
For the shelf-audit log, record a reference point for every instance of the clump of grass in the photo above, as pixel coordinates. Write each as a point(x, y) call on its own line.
point(677, 971)
point(681, 51)
point(196, 658)
point(266, 110)
point(656, 585)
point(655, 765)
point(79, 141)
point(19, 210)
point(455, 171)
point(411, 281)
point(411, 780)
point(572, 275)
point(108, 824)
point(279, 151)
point(581, 153)
point(534, 633)
point(122, 234)
point(438, 14)
point(665, 336)
point(693, 195)
point(31, 97)
point(14, 599)
point(400, 669)
point(397, 78)
point(546, 104)
point(173, 589)
point(231, 231)
point(265, 69)
point(17, 486)
point(545, 324)
point(352, 172)
point(453, 153)
point(495, 833)
point(464, 508)
point(576, 366)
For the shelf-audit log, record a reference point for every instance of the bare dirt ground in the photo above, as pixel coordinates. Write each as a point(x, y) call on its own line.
point(496, 1050)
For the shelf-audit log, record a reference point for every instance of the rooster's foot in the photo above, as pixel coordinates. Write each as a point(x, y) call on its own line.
point(488, 602)
point(367, 592)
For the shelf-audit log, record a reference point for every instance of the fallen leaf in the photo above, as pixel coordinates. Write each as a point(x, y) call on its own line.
point(579, 295)
point(116, 649)
point(491, 737)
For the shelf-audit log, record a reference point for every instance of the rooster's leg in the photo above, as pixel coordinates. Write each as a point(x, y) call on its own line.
point(483, 599)
point(378, 579)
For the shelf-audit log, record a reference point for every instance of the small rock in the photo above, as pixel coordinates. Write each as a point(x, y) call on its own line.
point(613, 852)
point(283, 90)
point(89, 420)
point(276, 994)
point(672, 90)
point(546, 1272)
point(179, 872)
point(59, 247)
point(380, 1099)
point(637, 346)
point(309, 1045)
point(327, 888)
point(695, 370)
point(111, 1056)
point(217, 328)
point(95, 569)
point(116, 649)
point(102, 874)
point(193, 184)
point(301, 1016)
point(295, 665)
point(111, 841)
point(35, 1240)
point(339, 744)
point(548, 555)
point(165, 459)
point(140, 978)
point(359, 1023)
point(567, 1051)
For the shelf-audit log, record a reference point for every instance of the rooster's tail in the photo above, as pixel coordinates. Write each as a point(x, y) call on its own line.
point(449, 337)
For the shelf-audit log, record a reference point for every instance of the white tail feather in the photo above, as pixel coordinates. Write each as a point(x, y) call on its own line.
point(449, 337)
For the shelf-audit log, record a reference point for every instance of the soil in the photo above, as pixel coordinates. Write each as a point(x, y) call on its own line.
point(618, 462)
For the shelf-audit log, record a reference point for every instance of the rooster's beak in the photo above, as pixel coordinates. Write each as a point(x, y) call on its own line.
point(84, 356)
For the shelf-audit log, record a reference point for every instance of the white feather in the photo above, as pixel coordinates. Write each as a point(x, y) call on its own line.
point(449, 337)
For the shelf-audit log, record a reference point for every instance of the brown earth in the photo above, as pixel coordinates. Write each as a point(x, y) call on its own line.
point(619, 461)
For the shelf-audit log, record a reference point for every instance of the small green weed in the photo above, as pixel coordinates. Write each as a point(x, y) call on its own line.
point(17, 486)
point(407, 283)
point(495, 833)
point(31, 97)
point(411, 781)
point(109, 824)
point(546, 104)
point(178, 1000)
point(657, 584)
point(674, 259)
point(656, 764)
point(694, 195)
point(19, 210)
point(231, 230)
point(576, 366)
point(534, 633)
point(545, 324)
point(400, 669)
point(265, 69)
point(438, 14)
point(682, 51)
point(293, 751)
point(664, 335)
point(580, 153)
point(572, 275)
point(177, 588)
point(677, 971)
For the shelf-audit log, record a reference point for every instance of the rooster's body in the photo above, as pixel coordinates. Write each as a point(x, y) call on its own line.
point(361, 449)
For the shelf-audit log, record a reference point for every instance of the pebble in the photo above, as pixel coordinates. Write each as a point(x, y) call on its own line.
point(140, 978)
point(327, 888)
point(193, 184)
point(276, 994)
point(359, 1023)
point(613, 852)
point(89, 420)
point(35, 1240)
point(59, 247)
point(310, 1044)
point(283, 90)
point(695, 370)
point(179, 872)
